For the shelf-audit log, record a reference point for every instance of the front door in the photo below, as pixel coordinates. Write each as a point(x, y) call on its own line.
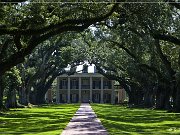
point(74, 98)
point(107, 98)
point(63, 98)
point(85, 97)
point(96, 97)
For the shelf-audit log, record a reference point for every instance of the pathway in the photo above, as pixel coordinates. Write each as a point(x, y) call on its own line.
point(85, 122)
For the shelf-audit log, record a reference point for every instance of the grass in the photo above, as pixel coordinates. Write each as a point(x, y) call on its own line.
point(121, 120)
point(45, 120)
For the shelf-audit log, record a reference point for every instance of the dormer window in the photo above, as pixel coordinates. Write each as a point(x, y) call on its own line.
point(85, 68)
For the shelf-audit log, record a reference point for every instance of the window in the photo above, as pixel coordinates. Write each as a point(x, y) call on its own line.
point(63, 98)
point(74, 98)
point(63, 84)
point(74, 84)
point(85, 82)
point(106, 96)
point(96, 84)
point(107, 84)
point(85, 68)
point(96, 97)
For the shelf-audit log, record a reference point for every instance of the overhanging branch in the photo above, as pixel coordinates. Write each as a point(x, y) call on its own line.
point(168, 38)
point(53, 27)
point(173, 3)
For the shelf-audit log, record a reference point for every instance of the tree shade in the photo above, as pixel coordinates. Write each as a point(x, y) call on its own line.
point(136, 43)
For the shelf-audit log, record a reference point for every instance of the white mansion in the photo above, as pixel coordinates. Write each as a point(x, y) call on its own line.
point(85, 87)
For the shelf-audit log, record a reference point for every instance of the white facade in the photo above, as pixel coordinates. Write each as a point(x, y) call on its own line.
point(85, 87)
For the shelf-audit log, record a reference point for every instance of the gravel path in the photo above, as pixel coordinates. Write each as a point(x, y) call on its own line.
point(85, 122)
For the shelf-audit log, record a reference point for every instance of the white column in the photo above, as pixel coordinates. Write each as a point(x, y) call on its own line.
point(125, 94)
point(68, 100)
point(57, 91)
point(79, 89)
point(112, 93)
point(118, 96)
point(90, 89)
point(102, 100)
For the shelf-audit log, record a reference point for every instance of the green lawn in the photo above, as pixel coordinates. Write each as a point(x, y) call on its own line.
point(45, 120)
point(121, 120)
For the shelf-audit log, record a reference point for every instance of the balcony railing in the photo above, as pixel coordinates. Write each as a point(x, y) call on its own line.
point(96, 87)
point(63, 87)
point(85, 86)
point(107, 87)
point(74, 87)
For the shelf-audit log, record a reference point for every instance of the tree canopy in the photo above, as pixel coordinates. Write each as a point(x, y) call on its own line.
point(136, 43)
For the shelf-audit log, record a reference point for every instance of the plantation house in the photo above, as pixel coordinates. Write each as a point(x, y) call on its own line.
point(87, 86)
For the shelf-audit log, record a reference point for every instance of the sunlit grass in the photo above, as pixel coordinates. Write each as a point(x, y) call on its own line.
point(121, 120)
point(45, 120)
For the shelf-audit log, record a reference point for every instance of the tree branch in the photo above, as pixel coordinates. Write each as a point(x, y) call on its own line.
point(164, 59)
point(46, 32)
point(159, 75)
point(17, 41)
point(121, 45)
point(168, 38)
point(140, 64)
point(53, 27)
point(173, 3)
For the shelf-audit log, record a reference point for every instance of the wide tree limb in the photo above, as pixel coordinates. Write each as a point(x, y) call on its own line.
point(3, 48)
point(168, 38)
point(153, 69)
point(17, 41)
point(53, 27)
point(173, 3)
point(123, 82)
point(141, 65)
point(121, 45)
point(40, 35)
point(164, 59)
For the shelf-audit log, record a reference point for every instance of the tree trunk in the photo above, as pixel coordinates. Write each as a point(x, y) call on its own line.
point(162, 99)
point(39, 95)
point(174, 98)
point(159, 100)
point(43, 88)
point(32, 97)
point(177, 108)
point(159, 97)
point(129, 93)
point(177, 101)
point(11, 99)
point(139, 99)
point(22, 96)
point(27, 98)
point(167, 104)
point(148, 99)
point(171, 73)
point(1, 93)
point(27, 93)
point(131, 99)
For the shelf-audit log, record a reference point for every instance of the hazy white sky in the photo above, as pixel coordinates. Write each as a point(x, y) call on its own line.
point(90, 68)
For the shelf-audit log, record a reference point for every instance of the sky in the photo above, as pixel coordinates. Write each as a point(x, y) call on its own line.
point(90, 68)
